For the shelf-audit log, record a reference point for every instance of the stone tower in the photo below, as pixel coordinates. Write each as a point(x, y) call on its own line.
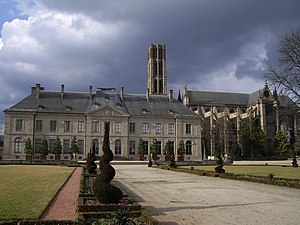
point(157, 76)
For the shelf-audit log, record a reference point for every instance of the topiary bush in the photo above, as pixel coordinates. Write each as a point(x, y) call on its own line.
point(103, 190)
point(90, 162)
point(220, 163)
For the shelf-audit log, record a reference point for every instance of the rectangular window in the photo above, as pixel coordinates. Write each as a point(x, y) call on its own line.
point(132, 128)
point(145, 147)
point(171, 128)
point(158, 145)
point(19, 124)
point(80, 144)
point(51, 145)
point(80, 126)
point(52, 125)
point(118, 127)
point(145, 128)
point(188, 128)
point(132, 147)
point(38, 125)
point(158, 128)
point(67, 126)
point(66, 146)
point(37, 145)
point(95, 127)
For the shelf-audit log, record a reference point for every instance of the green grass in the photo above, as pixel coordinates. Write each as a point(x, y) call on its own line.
point(278, 171)
point(26, 190)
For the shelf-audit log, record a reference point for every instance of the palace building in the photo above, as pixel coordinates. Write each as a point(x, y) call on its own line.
point(155, 115)
point(203, 121)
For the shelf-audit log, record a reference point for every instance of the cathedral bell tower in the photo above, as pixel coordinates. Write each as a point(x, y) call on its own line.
point(157, 76)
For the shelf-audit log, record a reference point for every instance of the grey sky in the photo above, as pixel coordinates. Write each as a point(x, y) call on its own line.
point(212, 45)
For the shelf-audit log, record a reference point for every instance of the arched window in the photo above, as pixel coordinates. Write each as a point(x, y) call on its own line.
point(118, 147)
point(18, 145)
point(188, 147)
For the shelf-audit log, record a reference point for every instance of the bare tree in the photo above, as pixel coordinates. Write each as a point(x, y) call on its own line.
point(286, 77)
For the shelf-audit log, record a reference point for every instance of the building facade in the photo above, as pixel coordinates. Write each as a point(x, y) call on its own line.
point(155, 115)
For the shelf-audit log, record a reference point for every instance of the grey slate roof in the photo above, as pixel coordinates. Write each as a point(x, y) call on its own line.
point(158, 105)
point(75, 102)
point(217, 98)
point(51, 102)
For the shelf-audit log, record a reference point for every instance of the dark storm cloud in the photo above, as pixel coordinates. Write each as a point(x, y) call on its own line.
point(104, 43)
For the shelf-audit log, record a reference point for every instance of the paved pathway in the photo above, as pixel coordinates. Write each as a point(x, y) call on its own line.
point(180, 198)
point(63, 206)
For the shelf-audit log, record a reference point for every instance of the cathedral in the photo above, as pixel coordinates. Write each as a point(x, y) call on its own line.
point(139, 120)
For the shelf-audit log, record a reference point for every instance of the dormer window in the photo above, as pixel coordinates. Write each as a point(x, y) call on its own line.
point(143, 110)
point(171, 111)
point(68, 108)
point(118, 105)
point(41, 107)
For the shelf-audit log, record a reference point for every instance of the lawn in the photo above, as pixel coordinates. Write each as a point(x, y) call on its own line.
point(26, 190)
point(278, 171)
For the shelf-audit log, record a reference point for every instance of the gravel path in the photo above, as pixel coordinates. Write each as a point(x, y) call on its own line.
point(63, 206)
point(180, 198)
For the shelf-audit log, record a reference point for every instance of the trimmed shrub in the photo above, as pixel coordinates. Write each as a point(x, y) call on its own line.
point(103, 190)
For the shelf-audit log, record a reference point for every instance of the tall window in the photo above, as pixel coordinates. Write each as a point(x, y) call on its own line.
point(117, 127)
point(67, 126)
point(51, 145)
point(66, 146)
point(95, 127)
point(132, 128)
point(18, 145)
point(37, 145)
point(19, 124)
point(80, 144)
point(188, 128)
point(145, 128)
point(188, 147)
point(118, 147)
point(39, 125)
point(158, 128)
point(80, 126)
point(132, 147)
point(145, 147)
point(52, 125)
point(171, 128)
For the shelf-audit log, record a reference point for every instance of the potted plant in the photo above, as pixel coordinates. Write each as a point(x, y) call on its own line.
point(169, 150)
point(181, 151)
point(44, 149)
point(57, 149)
point(141, 150)
point(28, 149)
point(155, 150)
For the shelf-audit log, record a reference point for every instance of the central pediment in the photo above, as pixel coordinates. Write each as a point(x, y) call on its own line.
point(106, 111)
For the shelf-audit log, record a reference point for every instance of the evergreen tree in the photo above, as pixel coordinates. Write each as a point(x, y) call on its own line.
point(57, 146)
point(44, 148)
point(154, 148)
point(181, 148)
point(169, 149)
point(141, 147)
point(253, 139)
point(74, 147)
point(28, 147)
point(282, 144)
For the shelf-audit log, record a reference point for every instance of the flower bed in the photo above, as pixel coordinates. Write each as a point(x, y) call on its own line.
point(89, 208)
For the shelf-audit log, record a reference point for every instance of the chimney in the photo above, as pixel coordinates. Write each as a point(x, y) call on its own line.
point(37, 91)
point(62, 89)
point(91, 92)
point(171, 96)
point(122, 93)
point(148, 94)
